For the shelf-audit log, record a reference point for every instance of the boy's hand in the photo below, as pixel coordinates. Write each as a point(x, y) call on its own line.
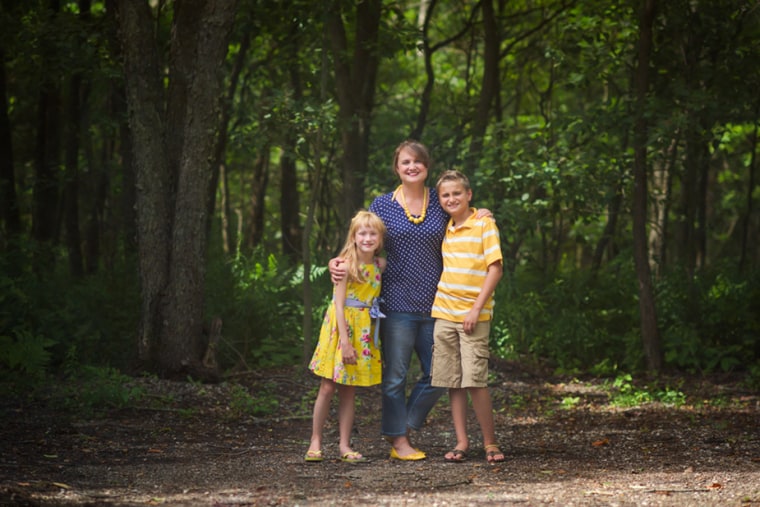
point(337, 269)
point(470, 321)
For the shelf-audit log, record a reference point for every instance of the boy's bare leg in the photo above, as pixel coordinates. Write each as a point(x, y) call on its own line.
point(481, 404)
point(458, 399)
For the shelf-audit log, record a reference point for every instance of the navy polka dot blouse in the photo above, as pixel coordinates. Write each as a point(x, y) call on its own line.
point(413, 251)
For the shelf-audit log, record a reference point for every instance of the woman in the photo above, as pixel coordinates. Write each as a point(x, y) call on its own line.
point(415, 224)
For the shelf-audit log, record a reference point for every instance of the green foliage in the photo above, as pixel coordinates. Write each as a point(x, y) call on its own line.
point(752, 380)
point(260, 302)
point(49, 319)
point(243, 404)
point(624, 393)
point(576, 319)
point(583, 322)
point(556, 154)
point(26, 353)
point(710, 321)
point(570, 402)
point(92, 389)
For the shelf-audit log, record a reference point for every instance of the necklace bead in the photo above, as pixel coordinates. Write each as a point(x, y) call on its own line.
point(415, 220)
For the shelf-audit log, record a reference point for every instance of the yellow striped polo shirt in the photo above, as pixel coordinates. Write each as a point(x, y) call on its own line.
point(467, 250)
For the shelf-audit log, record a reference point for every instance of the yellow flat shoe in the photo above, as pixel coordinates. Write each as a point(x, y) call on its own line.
point(415, 456)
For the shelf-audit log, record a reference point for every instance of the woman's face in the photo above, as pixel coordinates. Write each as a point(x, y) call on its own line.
point(410, 168)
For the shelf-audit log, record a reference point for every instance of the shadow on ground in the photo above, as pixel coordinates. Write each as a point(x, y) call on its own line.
point(191, 444)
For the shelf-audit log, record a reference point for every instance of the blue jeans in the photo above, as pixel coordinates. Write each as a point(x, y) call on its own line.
point(403, 333)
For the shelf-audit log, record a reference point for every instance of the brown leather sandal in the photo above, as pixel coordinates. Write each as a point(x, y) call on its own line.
point(494, 454)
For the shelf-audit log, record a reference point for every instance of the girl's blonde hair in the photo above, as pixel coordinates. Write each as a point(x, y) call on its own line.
point(349, 252)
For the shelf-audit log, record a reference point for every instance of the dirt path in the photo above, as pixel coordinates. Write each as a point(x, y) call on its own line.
point(192, 444)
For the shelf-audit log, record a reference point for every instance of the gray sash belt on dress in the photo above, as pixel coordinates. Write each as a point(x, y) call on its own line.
point(374, 313)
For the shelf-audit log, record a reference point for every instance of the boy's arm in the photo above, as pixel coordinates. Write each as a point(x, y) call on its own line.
point(493, 276)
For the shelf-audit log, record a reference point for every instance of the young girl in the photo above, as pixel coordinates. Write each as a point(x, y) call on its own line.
point(348, 354)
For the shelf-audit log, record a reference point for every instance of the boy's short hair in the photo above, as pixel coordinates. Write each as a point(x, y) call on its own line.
point(453, 175)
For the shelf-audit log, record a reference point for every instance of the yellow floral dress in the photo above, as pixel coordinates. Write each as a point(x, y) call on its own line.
point(327, 360)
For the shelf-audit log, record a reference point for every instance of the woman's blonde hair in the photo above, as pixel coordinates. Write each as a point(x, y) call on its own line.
point(419, 150)
point(349, 252)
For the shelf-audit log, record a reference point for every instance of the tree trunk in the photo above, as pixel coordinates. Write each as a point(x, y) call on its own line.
point(426, 12)
point(290, 226)
point(613, 212)
point(355, 88)
point(8, 198)
point(71, 186)
point(747, 215)
point(220, 171)
point(173, 156)
point(255, 219)
point(45, 199)
point(659, 208)
point(490, 87)
point(146, 118)
point(649, 331)
point(703, 179)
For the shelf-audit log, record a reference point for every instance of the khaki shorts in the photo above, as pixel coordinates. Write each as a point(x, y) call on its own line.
point(460, 359)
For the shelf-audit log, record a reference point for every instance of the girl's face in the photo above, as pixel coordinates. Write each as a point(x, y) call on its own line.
point(367, 239)
point(410, 168)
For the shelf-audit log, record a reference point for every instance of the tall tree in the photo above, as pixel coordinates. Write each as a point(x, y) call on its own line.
point(8, 198)
point(649, 331)
point(489, 89)
point(71, 159)
point(355, 76)
point(173, 139)
point(46, 197)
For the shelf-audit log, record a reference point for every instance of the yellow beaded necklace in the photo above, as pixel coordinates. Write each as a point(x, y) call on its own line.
point(399, 193)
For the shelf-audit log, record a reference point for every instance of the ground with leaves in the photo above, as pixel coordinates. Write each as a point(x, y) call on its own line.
point(568, 442)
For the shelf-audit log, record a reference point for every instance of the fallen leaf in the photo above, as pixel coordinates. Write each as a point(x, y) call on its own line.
point(600, 443)
point(61, 485)
point(716, 485)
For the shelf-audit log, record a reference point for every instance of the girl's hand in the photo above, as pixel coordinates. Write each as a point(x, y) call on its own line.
point(348, 352)
point(337, 270)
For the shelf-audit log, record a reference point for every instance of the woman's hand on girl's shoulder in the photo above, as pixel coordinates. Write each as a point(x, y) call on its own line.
point(381, 263)
point(483, 213)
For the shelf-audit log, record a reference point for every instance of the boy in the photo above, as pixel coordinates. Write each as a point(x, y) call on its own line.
point(463, 307)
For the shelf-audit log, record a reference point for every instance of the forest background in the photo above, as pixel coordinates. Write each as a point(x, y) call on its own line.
point(174, 176)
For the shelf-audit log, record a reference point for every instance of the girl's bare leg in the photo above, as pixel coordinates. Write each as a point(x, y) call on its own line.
point(321, 410)
point(346, 398)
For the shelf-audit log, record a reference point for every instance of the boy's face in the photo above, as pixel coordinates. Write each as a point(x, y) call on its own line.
point(454, 198)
